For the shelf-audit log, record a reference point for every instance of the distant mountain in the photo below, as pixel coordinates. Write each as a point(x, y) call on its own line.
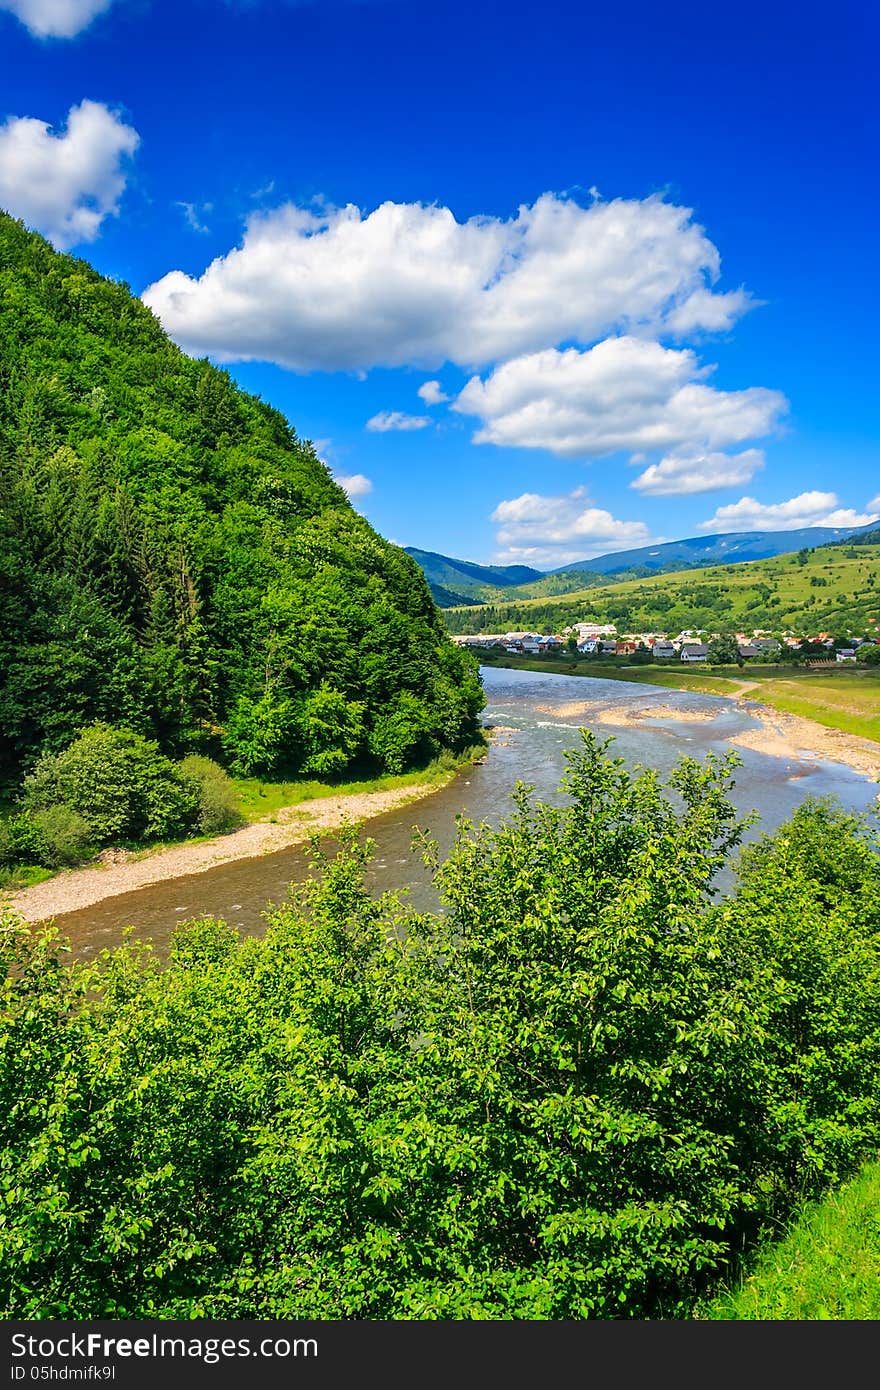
point(456, 582)
point(730, 548)
point(461, 583)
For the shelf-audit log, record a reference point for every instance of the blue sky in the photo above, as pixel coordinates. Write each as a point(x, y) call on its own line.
point(634, 251)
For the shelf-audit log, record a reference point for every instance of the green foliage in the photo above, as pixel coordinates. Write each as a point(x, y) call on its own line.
point(122, 786)
point(217, 802)
point(20, 840)
point(776, 595)
point(330, 731)
point(870, 655)
point(176, 561)
point(65, 837)
point(723, 650)
point(580, 1090)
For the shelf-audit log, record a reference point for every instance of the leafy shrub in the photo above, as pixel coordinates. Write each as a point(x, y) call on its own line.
point(259, 736)
point(66, 838)
point(330, 731)
point(122, 786)
point(20, 841)
point(217, 801)
point(400, 735)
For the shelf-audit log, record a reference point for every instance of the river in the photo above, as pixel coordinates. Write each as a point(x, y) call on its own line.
point(533, 724)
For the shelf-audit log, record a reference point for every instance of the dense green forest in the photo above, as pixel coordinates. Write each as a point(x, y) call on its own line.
point(585, 1088)
point(176, 562)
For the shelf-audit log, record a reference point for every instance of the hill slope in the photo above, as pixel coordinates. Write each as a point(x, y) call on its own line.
point(461, 581)
point(733, 547)
point(173, 558)
point(831, 588)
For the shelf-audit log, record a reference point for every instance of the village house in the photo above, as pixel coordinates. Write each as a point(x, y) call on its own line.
point(694, 651)
point(585, 630)
point(663, 651)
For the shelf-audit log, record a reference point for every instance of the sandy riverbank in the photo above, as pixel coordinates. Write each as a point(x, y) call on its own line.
point(789, 736)
point(76, 888)
point(792, 736)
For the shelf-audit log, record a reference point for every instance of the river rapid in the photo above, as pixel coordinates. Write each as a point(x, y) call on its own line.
point(534, 719)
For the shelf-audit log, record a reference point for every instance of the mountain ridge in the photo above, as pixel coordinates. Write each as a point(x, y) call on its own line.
point(460, 583)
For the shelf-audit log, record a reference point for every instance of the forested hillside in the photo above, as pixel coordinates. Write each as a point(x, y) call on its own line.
point(581, 1090)
point(176, 561)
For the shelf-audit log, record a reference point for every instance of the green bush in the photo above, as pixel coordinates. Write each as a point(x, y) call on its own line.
point(581, 1089)
point(122, 786)
point(401, 734)
point(217, 800)
point(65, 836)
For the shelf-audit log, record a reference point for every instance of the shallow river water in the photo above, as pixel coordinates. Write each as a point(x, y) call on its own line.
point(534, 722)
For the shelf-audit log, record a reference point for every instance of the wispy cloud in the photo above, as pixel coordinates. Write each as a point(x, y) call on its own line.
point(682, 475)
point(397, 420)
point(56, 19)
point(355, 484)
point(432, 393)
point(191, 213)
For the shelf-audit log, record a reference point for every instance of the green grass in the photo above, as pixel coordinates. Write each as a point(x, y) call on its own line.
point(24, 876)
point(827, 1267)
point(845, 700)
point(258, 800)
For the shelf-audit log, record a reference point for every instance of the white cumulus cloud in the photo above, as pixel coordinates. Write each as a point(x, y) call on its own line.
point(874, 504)
point(552, 531)
point(355, 484)
point(681, 475)
point(624, 393)
point(709, 313)
point(406, 284)
point(432, 393)
point(65, 184)
point(807, 509)
point(397, 420)
point(56, 19)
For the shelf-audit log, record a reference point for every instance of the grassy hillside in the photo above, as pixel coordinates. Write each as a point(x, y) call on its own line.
point(174, 559)
point(827, 1267)
point(834, 589)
